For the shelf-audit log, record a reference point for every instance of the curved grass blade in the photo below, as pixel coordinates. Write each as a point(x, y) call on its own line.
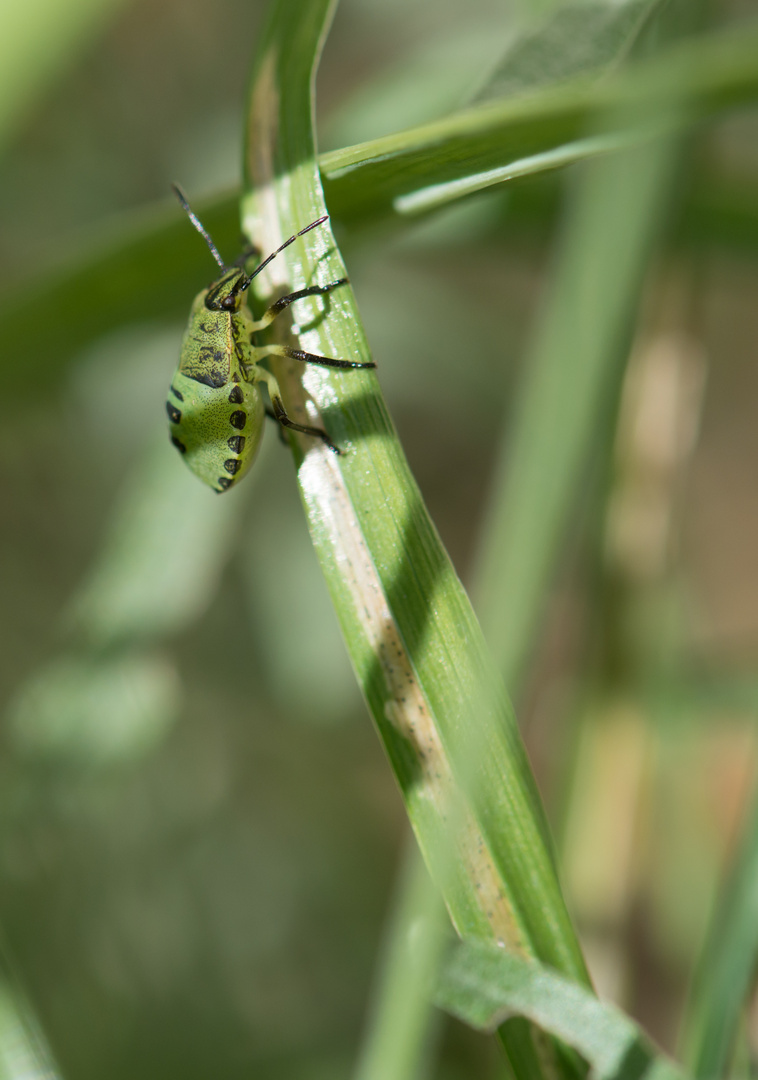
point(442, 714)
point(414, 171)
point(409, 627)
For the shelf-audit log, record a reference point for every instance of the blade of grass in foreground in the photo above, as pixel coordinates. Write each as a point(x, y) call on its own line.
point(409, 628)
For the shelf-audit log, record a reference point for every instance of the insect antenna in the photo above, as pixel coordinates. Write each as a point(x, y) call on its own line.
point(199, 226)
point(246, 281)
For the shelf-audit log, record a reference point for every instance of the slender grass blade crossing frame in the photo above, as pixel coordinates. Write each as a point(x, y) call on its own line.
point(215, 405)
point(418, 653)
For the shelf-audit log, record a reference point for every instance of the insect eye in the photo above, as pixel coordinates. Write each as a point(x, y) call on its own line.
point(216, 300)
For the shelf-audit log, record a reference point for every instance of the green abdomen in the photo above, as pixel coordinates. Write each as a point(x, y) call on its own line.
point(217, 429)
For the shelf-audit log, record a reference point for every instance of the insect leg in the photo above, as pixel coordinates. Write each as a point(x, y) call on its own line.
point(284, 302)
point(308, 358)
point(280, 413)
point(272, 416)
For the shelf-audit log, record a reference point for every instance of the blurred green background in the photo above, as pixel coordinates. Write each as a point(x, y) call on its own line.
point(198, 830)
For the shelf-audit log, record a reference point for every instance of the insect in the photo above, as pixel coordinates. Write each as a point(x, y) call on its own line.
point(215, 404)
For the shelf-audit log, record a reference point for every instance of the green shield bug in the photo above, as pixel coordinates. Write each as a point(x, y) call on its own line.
point(215, 404)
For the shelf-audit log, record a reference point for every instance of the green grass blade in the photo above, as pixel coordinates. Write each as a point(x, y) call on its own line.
point(483, 985)
point(383, 561)
point(412, 637)
point(728, 964)
point(412, 172)
point(442, 71)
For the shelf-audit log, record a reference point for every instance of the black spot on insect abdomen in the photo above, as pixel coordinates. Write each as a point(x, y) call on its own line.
point(238, 419)
point(174, 414)
point(236, 443)
point(179, 444)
